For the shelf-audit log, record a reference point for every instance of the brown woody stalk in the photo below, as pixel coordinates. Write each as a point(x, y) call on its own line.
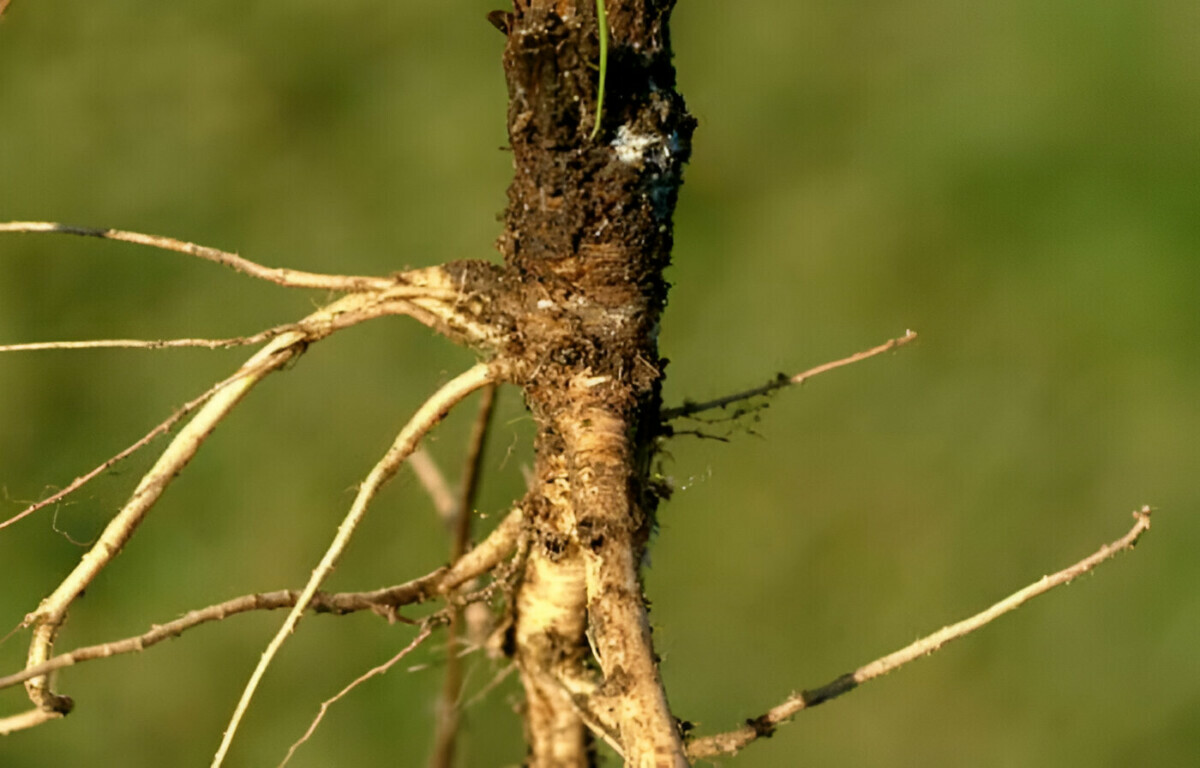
point(587, 236)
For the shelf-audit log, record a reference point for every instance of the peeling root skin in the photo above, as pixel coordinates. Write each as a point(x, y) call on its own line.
point(608, 527)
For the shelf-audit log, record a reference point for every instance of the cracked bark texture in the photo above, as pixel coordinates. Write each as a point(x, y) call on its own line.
point(587, 235)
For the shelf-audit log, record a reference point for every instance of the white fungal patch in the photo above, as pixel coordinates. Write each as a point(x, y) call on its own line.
point(544, 304)
point(631, 147)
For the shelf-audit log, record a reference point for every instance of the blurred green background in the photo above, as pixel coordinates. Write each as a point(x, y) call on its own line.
point(1019, 182)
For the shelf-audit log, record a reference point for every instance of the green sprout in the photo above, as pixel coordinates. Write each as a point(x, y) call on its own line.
point(602, 20)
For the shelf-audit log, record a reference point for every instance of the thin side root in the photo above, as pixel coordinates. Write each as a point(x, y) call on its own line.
point(765, 725)
point(429, 414)
point(783, 380)
point(290, 278)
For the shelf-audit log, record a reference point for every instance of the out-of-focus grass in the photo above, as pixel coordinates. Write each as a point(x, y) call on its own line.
point(1017, 182)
